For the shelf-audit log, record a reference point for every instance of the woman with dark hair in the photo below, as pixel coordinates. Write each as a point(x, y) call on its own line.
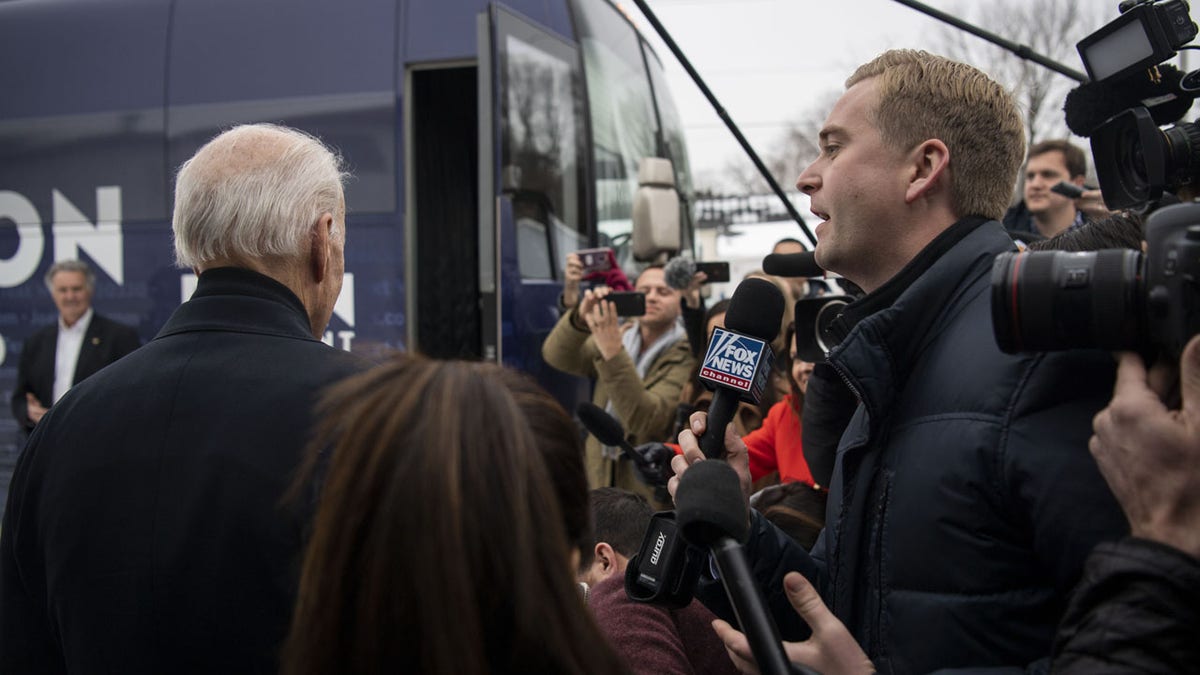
point(438, 545)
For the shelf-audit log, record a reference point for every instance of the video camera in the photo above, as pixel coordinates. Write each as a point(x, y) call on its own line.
point(1131, 94)
point(1121, 299)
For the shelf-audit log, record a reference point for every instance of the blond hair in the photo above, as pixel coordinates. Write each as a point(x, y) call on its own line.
point(924, 96)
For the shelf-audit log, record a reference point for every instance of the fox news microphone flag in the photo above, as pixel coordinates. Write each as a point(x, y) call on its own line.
point(739, 358)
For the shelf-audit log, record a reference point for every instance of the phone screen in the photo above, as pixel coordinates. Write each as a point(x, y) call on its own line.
point(716, 272)
point(628, 303)
point(595, 260)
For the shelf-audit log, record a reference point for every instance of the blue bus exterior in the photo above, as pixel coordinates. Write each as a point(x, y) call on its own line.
point(486, 140)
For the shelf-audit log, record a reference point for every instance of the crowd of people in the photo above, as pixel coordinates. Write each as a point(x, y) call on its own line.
point(237, 496)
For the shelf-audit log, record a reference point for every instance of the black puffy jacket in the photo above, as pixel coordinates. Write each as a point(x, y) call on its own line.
point(963, 500)
point(1137, 610)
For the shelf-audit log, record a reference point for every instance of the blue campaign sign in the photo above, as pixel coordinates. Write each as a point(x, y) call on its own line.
point(735, 360)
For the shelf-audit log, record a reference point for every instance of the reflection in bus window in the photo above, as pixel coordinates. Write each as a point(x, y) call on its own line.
point(676, 147)
point(622, 114)
point(541, 154)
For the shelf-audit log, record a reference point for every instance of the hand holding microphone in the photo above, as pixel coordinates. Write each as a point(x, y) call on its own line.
point(651, 460)
point(738, 362)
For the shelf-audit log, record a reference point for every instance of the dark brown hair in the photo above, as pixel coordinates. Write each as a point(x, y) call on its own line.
point(438, 543)
point(620, 519)
point(561, 444)
point(1073, 157)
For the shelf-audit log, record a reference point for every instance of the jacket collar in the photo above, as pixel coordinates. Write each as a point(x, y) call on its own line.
point(878, 354)
point(231, 298)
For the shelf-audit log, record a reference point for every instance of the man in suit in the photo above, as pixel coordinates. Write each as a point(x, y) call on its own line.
point(146, 530)
point(57, 357)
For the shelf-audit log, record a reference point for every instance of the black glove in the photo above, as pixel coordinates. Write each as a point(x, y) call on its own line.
point(653, 463)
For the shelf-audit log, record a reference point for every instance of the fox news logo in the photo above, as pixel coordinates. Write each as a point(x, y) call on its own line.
point(733, 360)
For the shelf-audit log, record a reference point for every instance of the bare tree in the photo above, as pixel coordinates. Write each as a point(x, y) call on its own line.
point(794, 148)
point(1048, 28)
point(798, 146)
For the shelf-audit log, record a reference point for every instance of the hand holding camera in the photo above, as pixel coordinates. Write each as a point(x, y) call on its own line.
point(600, 317)
point(1147, 452)
point(572, 276)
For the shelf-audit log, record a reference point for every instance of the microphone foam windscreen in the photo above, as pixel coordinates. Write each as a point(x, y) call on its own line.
point(802, 264)
point(1093, 103)
point(678, 271)
point(709, 504)
point(600, 424)
point(756, 309)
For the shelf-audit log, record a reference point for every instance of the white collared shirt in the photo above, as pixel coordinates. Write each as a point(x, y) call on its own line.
point(70, 342)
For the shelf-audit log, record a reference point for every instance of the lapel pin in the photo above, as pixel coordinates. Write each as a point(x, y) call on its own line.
point(95, 340)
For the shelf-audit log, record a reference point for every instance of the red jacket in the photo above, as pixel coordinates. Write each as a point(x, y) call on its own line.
point(776, 445)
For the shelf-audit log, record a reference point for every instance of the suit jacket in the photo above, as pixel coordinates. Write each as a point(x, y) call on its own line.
point(105, 342)
point(146, 530)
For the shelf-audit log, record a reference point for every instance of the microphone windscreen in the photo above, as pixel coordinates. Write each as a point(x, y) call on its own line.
point(709, 504)
point(600, 424)
point(1093, 103)
point(756, 309)
point(678, 271)
point(802, 264)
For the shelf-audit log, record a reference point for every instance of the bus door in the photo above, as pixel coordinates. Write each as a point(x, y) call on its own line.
point(532, 131)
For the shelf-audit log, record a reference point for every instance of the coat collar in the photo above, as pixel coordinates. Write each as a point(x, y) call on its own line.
point(878, 354)
point(230, 298)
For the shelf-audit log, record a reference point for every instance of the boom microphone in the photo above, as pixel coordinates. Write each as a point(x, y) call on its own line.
point(651, 460)
point(802, 264)
point(1093, 103)
point(739, 358)
point(712, 514)
point(678, 272)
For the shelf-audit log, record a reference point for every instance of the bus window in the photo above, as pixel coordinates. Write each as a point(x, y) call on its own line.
point(542, 146)
point(622, 115)
point(676, 146)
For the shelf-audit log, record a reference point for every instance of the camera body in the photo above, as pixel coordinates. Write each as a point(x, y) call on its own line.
point(1115, 299)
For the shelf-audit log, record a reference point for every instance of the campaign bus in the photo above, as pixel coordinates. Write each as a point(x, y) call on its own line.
point(487, 140)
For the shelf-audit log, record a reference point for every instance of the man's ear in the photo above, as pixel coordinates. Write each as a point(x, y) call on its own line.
point(929, 162)
point(1078, 180)
point(321, 238)
point(605, 560)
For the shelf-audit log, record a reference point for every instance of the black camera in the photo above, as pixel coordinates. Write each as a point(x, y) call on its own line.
point(1132, 93)
point(815, 333)
point(1117, 299)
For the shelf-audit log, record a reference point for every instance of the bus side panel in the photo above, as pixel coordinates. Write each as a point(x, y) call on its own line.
point(328, 69)
point(82, 173)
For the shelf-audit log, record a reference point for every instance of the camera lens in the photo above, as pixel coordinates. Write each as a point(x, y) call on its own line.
point(1131, 159)
point(814, 317)
point(1183, 151)
point(1053, 300)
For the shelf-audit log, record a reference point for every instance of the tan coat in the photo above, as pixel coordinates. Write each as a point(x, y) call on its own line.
point(646, 408)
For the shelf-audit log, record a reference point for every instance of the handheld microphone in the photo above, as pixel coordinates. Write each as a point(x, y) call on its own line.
point(711, 514)
point(802, 264)
point(739, 358)
point(1091, 104)
point(678, 272)
point(651, 460)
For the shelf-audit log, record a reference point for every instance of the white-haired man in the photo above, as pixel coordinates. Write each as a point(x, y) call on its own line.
point(145, 533)
point(81, 342)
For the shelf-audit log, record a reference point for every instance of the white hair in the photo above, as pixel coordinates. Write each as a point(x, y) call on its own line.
point(89, 277)
point(254, 192)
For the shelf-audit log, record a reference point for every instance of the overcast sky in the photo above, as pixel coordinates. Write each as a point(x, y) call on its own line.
point(767, 60)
